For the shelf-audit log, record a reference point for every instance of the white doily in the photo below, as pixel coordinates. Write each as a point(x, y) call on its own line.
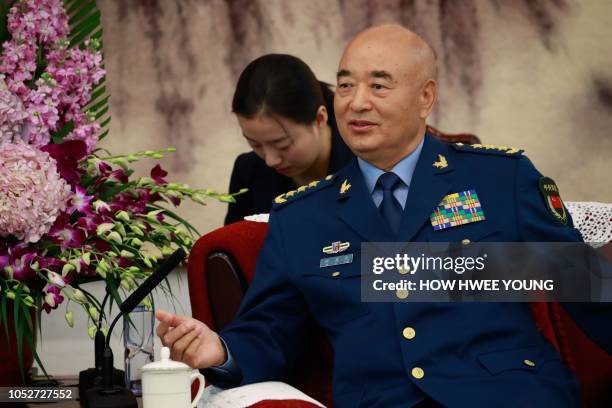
point(593, 220)
point(257, 217)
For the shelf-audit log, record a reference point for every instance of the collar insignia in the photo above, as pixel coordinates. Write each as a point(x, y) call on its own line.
point(345, 187)
point(441, 163)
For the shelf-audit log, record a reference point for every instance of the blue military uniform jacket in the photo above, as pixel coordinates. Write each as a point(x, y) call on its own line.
point(394, 354)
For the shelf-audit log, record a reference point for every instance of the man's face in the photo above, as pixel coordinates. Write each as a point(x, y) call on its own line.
point(377, 103)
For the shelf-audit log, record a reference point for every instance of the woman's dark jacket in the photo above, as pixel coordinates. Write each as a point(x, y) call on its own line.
point(264, 183)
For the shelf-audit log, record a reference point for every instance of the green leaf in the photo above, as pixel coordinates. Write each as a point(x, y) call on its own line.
point(98, 91)
point(87, 180)
point(102, 81)
point(85, 23)
point(98, 34)
point(75, 18)
point(73, 5)
point(32, 346)
point(5, 6)
point(82, 30)
point(19, 328)
point(38, 319)
point(3, 316)
point(101, 113)
point(100, 104)
point(41, 64)
point(59, 136)
point(112, 287)
point(105, 122)
point(28, 319)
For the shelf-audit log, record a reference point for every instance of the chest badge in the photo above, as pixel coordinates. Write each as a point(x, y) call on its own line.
point(457, 209)
point(336, 247)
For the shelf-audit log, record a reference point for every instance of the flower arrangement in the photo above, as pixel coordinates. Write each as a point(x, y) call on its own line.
point(69, 212)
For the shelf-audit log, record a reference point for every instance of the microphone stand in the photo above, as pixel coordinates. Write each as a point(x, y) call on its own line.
point(109, 395)
point(92, 377)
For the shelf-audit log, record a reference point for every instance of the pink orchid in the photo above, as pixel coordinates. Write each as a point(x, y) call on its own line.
point(118, 175)
point(53, 298)
point(65, 235)
point(80, 201)
point(20, 259)
point(68, 155)
point(158, 174)
point(56, 279)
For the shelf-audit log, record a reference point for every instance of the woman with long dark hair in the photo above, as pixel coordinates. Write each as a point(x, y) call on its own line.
point(286, 116)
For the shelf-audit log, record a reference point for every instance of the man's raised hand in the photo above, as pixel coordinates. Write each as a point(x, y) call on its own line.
point(190, 340)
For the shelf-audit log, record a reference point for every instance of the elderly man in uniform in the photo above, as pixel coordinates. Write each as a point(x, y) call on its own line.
point(396, 353)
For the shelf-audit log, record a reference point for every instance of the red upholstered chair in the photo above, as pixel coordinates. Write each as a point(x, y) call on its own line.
point(222, 263)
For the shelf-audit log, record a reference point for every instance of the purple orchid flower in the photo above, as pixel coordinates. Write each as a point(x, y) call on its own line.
point(104, 168)
point(85, 270)
point(53, 298)
point(4, 255)
point(64, 234)
point(20, 262)
point(124, 262)
point(101, 245)
point(175, 200)
point(158, 174)
point(80, 201)
point(67, 155)
point(118, 175)
point(130, 202)
point(89, 223)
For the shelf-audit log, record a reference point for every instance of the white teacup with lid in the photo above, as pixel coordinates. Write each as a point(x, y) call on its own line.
point(167, 383)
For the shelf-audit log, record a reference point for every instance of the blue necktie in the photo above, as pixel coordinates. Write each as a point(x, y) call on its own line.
point(390, 208)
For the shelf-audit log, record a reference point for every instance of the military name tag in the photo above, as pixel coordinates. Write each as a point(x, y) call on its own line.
point(457, 209)
point(336, 260)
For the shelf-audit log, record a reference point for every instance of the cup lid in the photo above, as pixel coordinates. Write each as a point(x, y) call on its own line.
point(165, 364)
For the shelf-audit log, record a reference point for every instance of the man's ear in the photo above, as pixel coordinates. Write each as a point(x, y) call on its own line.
point(321, 118)
point(428, 97)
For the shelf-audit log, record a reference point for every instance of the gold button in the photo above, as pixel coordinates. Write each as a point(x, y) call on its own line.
point(334, 274)
point(529, 363)
point(401, 293)
point(403, 271)
point(408, 333)
point(465, 241)
point(418, 373)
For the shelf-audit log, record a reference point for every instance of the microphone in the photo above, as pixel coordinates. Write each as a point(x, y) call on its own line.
point(152, 281)
point(115, 396)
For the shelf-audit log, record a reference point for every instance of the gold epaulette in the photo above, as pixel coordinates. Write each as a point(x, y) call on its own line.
point(302, 191)
point(491, 149)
